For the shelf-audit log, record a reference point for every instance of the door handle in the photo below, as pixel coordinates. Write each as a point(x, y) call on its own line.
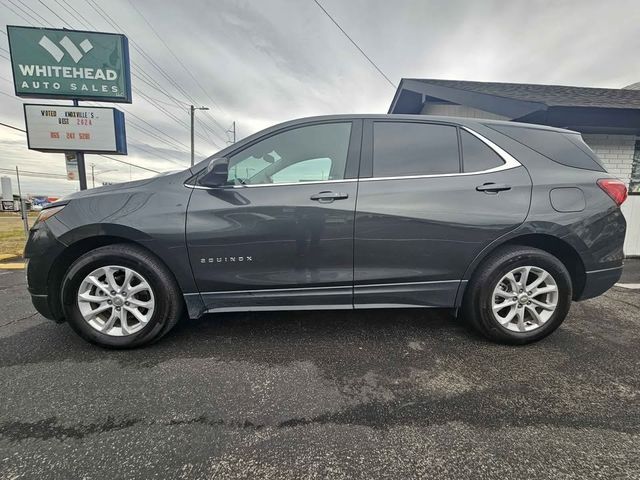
point(328, 197)
point(491, 187)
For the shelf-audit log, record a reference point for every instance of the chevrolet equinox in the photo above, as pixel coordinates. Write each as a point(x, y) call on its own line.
point(505, 223)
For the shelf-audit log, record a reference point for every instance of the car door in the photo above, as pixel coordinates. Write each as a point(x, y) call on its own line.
point(423, 213)
point(280, 233)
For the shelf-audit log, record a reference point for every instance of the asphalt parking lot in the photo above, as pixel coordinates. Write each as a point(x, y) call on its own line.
point(385, 394)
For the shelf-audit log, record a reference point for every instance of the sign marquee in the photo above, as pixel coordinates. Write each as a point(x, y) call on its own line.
point(62, 128)
point(54, 63)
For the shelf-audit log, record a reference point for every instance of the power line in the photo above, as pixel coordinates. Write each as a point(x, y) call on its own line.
point(135, 90)
point(174, 55)
point(76, 11)
point(145, 55)
point(117, 27)
point(30, 173)
point(12, 127)
point(163, 135)
point(130, 164)
point(355, 44)
point(100, 155)
point(48, 8)
point(21, 10)
point(40, 17)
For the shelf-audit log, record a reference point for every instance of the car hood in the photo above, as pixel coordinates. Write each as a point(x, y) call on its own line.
point(106, 189)
point(117, 187)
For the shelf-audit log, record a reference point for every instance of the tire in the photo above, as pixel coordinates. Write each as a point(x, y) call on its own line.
point(152, 285)
point(488, 288)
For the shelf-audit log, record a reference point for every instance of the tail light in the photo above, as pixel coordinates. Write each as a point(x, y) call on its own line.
point(615, 188)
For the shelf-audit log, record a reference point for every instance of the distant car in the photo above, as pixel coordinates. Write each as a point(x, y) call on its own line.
point(504, 222)
point(36, 208)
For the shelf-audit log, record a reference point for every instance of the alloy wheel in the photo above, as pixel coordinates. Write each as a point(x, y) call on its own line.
point(525, 299)
point(116, 300)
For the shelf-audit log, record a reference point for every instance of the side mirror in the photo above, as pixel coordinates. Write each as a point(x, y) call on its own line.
point(217, 173)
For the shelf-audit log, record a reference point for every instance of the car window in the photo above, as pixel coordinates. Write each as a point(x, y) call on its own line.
point(315, 169)
point(310, 153)
point(414, 149)
point(564, 148)
point(477, 155)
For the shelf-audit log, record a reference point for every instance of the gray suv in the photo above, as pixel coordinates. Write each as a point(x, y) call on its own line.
point(504, 223)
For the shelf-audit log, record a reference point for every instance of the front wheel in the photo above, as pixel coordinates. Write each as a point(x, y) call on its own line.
point(519, 295)
point(120, 296)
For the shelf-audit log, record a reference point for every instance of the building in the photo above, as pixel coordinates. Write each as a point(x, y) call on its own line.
point(608, 118)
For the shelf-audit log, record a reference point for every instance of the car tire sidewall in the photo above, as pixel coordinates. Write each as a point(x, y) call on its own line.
point(85, 265)
point(485, 295)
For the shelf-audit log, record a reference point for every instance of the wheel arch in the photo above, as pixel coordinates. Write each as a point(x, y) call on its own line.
point(561, 249)
point(79, 243)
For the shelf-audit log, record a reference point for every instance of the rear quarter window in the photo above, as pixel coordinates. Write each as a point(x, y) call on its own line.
point(476, 155)
point(565, 148)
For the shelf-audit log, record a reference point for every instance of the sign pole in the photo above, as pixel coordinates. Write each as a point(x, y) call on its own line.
point(82, 172)
point(23, 207)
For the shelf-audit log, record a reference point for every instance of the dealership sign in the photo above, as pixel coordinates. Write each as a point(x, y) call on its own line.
point(62, 128)
point(53, 63)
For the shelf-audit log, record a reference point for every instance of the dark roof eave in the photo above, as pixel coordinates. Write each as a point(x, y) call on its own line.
point(490, 103)
point(619, 121)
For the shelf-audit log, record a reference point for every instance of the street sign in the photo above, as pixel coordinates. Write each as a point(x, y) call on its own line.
point(62, 128)
point(8, 206)
point(71, 161)
point(73, 64)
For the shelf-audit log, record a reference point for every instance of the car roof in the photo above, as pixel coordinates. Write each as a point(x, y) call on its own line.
point(414, 117)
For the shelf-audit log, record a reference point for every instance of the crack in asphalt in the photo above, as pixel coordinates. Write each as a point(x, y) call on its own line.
point(19, 320)
point(477, 409)
point(49, 428)
point(634, 305)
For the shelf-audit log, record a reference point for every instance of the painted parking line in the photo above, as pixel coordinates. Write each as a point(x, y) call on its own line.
point(631, 286)
point(12, 266)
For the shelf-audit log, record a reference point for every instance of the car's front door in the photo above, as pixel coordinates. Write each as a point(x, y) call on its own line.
point(431, 197)
point(280, 233)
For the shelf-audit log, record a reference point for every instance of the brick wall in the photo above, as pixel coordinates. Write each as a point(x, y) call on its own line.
point(615, 151)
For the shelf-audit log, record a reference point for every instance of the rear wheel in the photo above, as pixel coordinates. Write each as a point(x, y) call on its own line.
point(518, 295)
point(120, 296)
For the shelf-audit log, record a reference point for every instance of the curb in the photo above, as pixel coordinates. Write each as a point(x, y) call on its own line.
point(12, 266)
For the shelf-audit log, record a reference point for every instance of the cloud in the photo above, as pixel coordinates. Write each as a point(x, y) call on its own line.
point(260, 63)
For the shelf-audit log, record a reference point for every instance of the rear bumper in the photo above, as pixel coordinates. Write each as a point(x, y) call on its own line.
point(599, 281)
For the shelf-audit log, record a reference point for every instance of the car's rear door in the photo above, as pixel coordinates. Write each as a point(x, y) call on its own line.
point(280, 234)
point(423, 214)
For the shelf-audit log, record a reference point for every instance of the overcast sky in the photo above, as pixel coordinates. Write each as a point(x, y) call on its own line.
point(265, 61)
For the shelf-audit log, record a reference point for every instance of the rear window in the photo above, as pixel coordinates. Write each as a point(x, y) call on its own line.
point(566, 148)
point(401, 149)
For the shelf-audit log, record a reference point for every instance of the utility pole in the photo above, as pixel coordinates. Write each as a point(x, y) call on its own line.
point(192, 110)
point(23, 207)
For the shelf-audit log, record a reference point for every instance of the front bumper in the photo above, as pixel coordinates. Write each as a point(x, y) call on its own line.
point(41, 304)
point(599, 281)
point(41, 252)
